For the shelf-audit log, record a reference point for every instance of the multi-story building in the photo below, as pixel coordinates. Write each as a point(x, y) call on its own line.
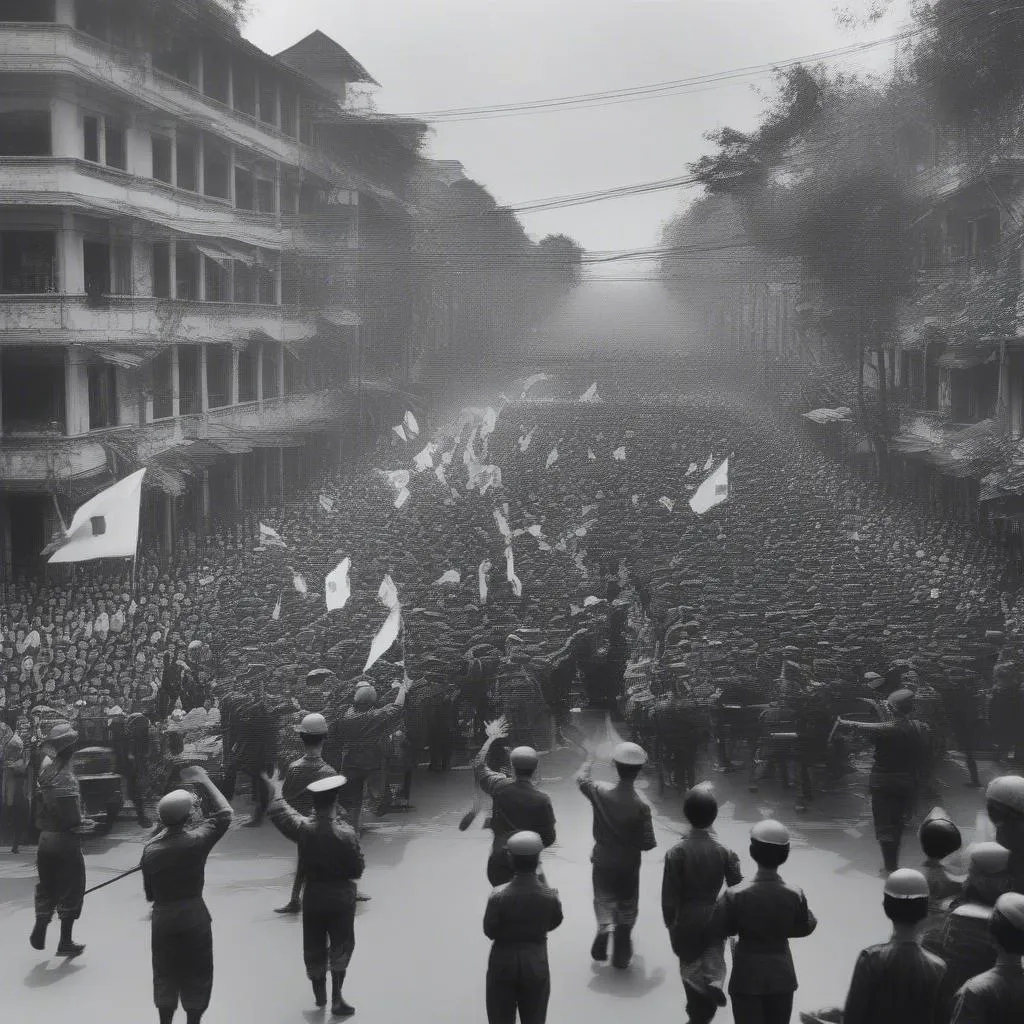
point(180, 239)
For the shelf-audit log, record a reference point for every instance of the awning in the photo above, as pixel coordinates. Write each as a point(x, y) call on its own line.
point(966, 359)
point(125, 358)
point(166, 480)
point(339, 317)
point(219, 256)
point(247, 257)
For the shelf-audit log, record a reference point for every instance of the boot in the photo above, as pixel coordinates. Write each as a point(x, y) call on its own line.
point(37, 940)
point(320, 991)
point(623, 948)
point(338, 1005)
point(599, 947)
point(291, 907)
point(67, 947)
point(890, 856)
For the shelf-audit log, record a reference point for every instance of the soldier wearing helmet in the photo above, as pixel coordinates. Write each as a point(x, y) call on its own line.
point(898, 982)
point(312, 731)
point(939, 838)
point(623, 830)
point(173, 872)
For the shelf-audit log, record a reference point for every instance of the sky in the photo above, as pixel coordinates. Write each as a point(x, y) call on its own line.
point(434, 55)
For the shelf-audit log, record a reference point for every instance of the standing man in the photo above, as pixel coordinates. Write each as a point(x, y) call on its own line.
point(903, 757)
point(173, 875)
point(14, 763)
point(519, 915)
point(517, 804)
point(258, 750)
point(131, 746)
point(331, 862)
point(59, 861)
point(695, 870)
point(622, 831)
point(301, 772)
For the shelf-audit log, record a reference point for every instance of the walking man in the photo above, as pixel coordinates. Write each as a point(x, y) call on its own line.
point(301, 772)
point(695, 870)
point(519, 915)
point(331, 862)
point(622, 831)
point(517, 804)
point(173, 875)
point(59, 861)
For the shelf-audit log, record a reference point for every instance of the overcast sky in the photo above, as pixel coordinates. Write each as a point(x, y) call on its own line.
point(442, 54)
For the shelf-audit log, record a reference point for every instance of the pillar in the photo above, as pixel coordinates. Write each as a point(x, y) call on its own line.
point(76, 405)
point(204, 390)
point(168, 544)
point(65, 12)
point(280, 471)
point(265, 475)
point(206, 499)
point(280, 370)
point(234, 375)
point(236, 467)
point(175, 383)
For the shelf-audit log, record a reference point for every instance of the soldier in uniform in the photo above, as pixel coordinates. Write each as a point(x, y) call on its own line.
point(131, 745)
point(517, 804)
point(898, 982)
point(1004, 802)
point(173, 875)
point(59, 862)
point(14, 764)
point(695, 870)
point(622, 831)
point(312, 731)
point(997, 995)
point(519, 915)
point(765, 913)
point(331, 863)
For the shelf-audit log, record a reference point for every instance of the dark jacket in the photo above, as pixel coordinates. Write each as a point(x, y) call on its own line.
point(522, 912)
point(995, 997)
point(895, 983)
point(329, 852)
point(518, 805)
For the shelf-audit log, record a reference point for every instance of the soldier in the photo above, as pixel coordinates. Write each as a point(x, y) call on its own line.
point(898, 982)
point(902, 758)
point(519, 915)
point(1004, 802)
point(14, 763)
point(997, 996)
point(312, 731)
point(173, 875)
point(518, 805)
point(59, 861)
point(331, 863)
point(765, 913)
point(695, 870)
point(622, 831)
point(131, 745)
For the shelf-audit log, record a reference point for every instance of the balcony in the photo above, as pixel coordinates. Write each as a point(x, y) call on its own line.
point(72, 320)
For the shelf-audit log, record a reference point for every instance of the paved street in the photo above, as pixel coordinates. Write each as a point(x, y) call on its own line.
point(420, 951)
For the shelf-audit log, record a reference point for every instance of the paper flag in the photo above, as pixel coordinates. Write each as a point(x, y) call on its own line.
point(552, 458)
point(590, 455)
point(299, 582)
point(560, 546)
point(544, 546)
point(667, 502)
point(713, 491)
point(270, 538)
point(387, 593)
point(337, 588)
point(935, 594)
point(397, 478)
point(439, 473)
point(411, 425)
point(692, 469)
point(276, 613)
point(510, 573)
point(133, 607)
point(400, 431)
point(204, 581)
point(489, 423)
point(385, 637)
point(636, 501)
point(589, 602)
point(591, 395)
point(447, 458)
point(451, 576)
point(425, 459)
point(709, 463)
point(575, 609)
point(525, 440)
point(485, 568)
point(535, 531)
point(587, 509)
point(580, 531)
point(619, 454)
point(326, 503)
point(403, 497)
point(502, 525)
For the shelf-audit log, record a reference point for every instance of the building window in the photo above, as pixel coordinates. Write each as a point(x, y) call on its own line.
point(163, 159)
point(215, 75)
point(96, 258)
point(187, 164)
point(187, 273)
point(27, 10)
point(91, 130)
point(102, 396)
point(33, 390)
point(28, 262)
point(176, 58)
point(245, 195)
point(117, 152)
point(247, 374)
point(268, 103)
point(266, 286)
point(218, 281)
point(265, 196)
point(290, 282)
point(25, 133)
point(289, 196)
point(163, 386)
point(245, 90)
point(216, 171)
point(218, 375)
point(245, 283)
point(294, 375)
point(121, 268)
point(270, 354)
point(161, 270)
point(189, 383)
point(288, 114)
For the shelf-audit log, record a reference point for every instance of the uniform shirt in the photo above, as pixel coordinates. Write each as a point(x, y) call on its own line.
point(622, 822)
point(995, 997)
point(695, 870)
point(361, 733)
point(328, 848)
point(174, 862)
point(941, 886)
point(60, 799)
point(301, 772)
point(522, 912)
point(765, 913)
point(519, 806)
point(900, 748)
point(895, 983)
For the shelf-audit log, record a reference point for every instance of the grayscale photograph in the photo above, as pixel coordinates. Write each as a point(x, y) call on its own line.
point(512, 512)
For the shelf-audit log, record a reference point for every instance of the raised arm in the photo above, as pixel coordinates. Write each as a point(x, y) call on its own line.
point(487, 779)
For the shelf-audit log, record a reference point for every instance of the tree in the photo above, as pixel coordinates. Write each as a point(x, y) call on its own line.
point(563, 256)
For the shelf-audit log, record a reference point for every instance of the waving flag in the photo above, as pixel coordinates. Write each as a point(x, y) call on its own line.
point(502, 524)
point(276, 613)
point(535, 531)
point(636, 500)
point(400, 431)
point(402, 498)
point(270, 538)
point(451, 576)
point(299, 583)
point(713, 491)
point(525, 440)
point(692, 469)
point(411, 426)
point(326, 503)
point(510, 573)
point(619, 454)
point(425, 459)
point(532, 381)
point(591, 395)
point(386, 636)
point(590, 455)
point(552, 458)
point(709, 463)
point(669, 503)
point(337, 588)
point(485, 568)
point(106, 526)
point(589, 602)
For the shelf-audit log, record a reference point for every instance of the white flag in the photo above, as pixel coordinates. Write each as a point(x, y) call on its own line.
point(397, 478)
point(400, 431)
point(490, 421)
point(589, 602)
point(387, 594)
point(439, 473)
point(692, 469)
point(270, 538)
point(483, 478)
point(713, 491)
point(337, 587)
point(386, 636)
point(532, 381)
point(587, 509)
point(591, 395)
point(299, 583)
point(411, 425)
point(510, 573)
point(485, 568)
point(425, 459)
point(544, 546)
point(535, 531)
point(619, 454)
point(326, 503)
point(552, 458)
point(525, 439)
point(636, 501)
point(403, 497)
point(276, 613)
point(575, 609)
point(669, 503)
point(446, 459)
point(709, 463)
point(502, 525)
point(106, 526)
point(451, 576)
point(590, 455)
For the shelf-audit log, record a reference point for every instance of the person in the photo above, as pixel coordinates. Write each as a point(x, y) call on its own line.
point(331, 862)
point(695, 870)
point(765, 913)
point(59, 861)
point(258, 746)
point(902, 758)
point(939, 838)
point(997, 995)
point(519, 915)
point(622, 830)
point(131, 745)
point(898, 982)
point(517, 804)
point(1004, 804)
point(14, 764)
point(312, 731)
point(173, 876)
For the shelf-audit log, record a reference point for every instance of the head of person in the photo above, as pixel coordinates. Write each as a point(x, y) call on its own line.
point(769, 844)
point(325, 793)
point(1004, 802)
point(524, 761)
point(312, 731)
point(629, 759)
point(523, 850)
point(700, 806)
point(905, 897)
point(175, 809)
point(61, 741)
point(364, 698)
point(938, 835)
point(1007, 923)
point(901, 702)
